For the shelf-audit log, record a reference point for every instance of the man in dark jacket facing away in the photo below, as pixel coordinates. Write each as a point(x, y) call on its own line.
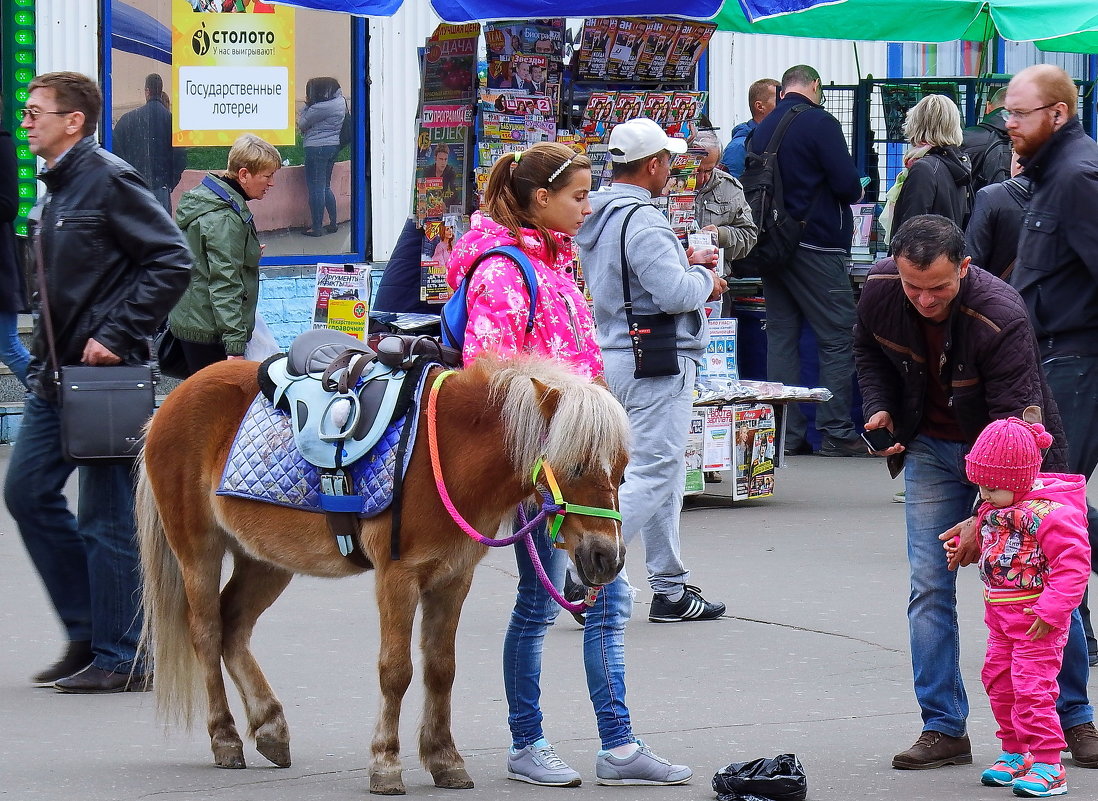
point(114, 263)
point(1056, 270)
point(820, 182)
point(943, 348)
point(987, 144)
point(143, 139)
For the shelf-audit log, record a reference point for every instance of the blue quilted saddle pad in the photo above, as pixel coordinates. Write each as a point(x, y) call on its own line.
point(265, 464)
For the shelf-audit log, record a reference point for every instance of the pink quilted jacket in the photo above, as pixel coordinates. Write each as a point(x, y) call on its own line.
point(499, 304)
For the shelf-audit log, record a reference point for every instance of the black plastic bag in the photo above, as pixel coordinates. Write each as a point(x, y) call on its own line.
point(779, 779)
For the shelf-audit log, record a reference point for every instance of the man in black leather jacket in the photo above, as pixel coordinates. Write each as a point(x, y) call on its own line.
point(114, 263)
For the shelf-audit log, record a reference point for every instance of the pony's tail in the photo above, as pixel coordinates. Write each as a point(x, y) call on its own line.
point(165, 630)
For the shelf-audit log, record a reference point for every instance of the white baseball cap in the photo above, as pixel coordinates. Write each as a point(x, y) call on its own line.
point(639, 137)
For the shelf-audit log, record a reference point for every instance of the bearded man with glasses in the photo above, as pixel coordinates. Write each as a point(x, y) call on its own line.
point(1056, 273)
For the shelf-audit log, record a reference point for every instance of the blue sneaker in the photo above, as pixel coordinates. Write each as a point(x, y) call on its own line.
point(1006, 769)
point(1042, 781)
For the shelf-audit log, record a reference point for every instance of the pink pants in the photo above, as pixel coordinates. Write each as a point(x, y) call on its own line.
point(1020, 678)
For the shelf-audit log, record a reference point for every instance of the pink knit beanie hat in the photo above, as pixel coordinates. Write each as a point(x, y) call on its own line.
point(1007, 455)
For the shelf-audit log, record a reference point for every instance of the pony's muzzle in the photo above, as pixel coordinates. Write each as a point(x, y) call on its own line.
point(599, 559)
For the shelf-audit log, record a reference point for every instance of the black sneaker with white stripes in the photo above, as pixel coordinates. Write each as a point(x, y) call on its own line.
point(690, 607)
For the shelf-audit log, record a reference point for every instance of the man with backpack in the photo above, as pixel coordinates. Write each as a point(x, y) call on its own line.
point(816, 181)
point(987, 144)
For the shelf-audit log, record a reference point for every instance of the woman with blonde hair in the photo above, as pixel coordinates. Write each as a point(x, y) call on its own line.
point(537, 200)
point(937, 174)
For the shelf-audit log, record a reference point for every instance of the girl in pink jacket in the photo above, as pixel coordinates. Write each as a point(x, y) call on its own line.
point(1035, 562)
point(537, 200)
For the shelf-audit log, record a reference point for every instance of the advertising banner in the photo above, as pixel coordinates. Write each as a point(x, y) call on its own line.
point(232, 73)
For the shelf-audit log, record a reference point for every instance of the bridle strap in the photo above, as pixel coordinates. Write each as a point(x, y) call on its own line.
point(553, 504)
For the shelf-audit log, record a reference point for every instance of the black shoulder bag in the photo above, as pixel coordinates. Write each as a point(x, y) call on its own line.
point(103, 409)
point(654, 337)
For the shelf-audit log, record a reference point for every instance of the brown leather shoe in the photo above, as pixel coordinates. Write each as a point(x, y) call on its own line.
point(93, 680)
point(933, 750)
point(1082, 741)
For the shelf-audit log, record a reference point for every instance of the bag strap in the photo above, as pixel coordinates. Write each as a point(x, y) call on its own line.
point(44, 304)
point(221, 192)
point(627, 296)
point(526, 269)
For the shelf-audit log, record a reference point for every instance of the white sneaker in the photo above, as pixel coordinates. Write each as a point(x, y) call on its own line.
point(539, 764)
point(643, 767)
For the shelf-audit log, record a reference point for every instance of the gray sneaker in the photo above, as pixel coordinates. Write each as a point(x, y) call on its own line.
point(539, 764)
point(643, 767)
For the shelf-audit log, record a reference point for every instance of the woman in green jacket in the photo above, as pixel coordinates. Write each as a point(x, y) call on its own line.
point(215, 317)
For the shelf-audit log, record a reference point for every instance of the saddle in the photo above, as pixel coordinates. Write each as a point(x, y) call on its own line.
point(341, 395)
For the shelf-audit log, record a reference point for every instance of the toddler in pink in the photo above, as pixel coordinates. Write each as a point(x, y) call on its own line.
point(1035, 562)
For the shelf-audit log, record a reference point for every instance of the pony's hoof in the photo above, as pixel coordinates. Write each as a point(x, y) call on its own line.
point(453, 779)
point(230, 756)
point(277, 751)
point(387, 783)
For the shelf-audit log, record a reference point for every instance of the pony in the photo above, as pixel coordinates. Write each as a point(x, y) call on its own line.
point(496, 420)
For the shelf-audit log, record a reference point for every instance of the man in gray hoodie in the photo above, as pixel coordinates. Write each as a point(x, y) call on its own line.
point(661, 279)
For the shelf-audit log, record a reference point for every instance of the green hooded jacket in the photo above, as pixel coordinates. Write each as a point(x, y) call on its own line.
point(219, 304)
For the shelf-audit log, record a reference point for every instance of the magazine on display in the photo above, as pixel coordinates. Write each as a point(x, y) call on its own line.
point(692, 39)
point(753, 450)
point(442, 160)
point(598, 39)
point(439, 236)
point(450, 64)
point(659, 38)
point(341, 298)
point(621, 63)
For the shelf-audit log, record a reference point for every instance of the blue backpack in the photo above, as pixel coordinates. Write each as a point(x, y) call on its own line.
point(455, 312)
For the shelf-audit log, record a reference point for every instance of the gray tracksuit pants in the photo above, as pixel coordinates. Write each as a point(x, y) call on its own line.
point(650, 499)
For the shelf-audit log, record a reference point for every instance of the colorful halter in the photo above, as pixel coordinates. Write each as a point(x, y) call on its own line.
point(553, 505)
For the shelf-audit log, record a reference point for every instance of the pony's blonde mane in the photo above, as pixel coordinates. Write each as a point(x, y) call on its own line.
point(589, 429)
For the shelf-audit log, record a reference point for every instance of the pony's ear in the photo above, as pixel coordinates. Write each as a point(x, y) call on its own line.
point(548, 398)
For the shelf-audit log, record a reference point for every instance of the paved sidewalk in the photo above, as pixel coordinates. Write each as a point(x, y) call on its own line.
point(811, 658)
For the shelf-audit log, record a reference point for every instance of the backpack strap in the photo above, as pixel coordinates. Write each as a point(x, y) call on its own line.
point(526, 269)
point(783, 125)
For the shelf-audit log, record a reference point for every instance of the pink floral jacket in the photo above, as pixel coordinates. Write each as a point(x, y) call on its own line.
point(499, 304)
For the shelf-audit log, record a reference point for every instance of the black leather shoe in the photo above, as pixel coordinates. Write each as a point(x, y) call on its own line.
point(843, 447)
point(804, 449)
point(92, 680)
point(77, 656)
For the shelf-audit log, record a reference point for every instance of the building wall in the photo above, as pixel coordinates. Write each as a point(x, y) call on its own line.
point(736, 60)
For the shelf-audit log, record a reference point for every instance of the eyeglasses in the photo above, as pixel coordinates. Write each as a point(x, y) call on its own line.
point(1015, 114)
point(35, 113)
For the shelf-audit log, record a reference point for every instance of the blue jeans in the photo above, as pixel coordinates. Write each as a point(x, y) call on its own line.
point(12, 351)
point(938, 497)
point(319, 162)
point(603, 648)
point(89, 562)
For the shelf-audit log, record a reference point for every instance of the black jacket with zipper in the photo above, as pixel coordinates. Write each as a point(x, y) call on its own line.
point(115, 262)
point(1056, 271)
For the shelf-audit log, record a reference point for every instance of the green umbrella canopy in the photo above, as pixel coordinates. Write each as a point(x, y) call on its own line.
point(1062, 25)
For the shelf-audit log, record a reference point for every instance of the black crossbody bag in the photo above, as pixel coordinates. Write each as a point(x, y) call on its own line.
point(103, 409)
point(653, 336)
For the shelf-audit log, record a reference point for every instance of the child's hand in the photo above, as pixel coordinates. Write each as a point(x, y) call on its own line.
point(1039, 628)
point(960, 544)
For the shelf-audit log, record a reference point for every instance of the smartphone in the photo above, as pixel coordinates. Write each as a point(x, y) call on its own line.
point(878, 439)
